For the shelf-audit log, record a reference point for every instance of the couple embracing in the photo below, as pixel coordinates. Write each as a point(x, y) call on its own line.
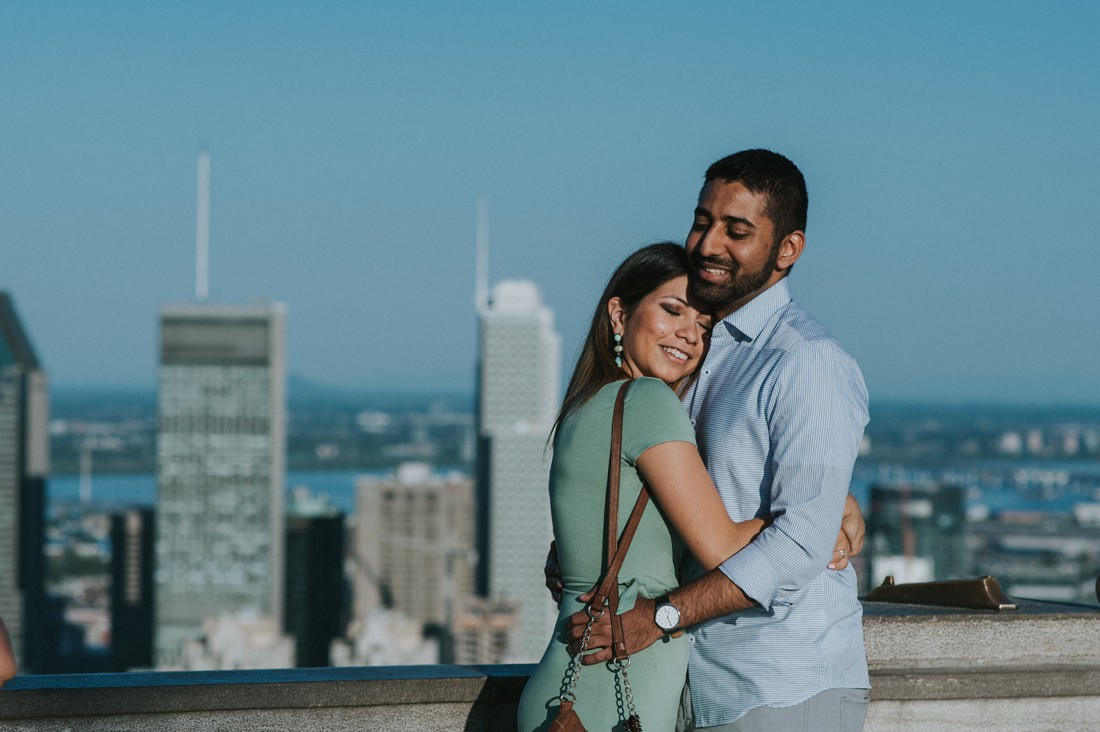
point(747, 459)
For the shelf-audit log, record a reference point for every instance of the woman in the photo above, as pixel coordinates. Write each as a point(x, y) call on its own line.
point(7, 658)
point(647, 327)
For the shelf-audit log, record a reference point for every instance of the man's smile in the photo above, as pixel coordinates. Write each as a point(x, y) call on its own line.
point(711, 271)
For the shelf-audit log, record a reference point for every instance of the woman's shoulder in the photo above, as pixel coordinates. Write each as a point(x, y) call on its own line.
point(652, 403)
point(647, 389)
point(654, 415)
point(645, 393)
point(653, 390)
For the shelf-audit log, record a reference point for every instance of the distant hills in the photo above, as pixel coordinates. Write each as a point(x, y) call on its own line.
point(303, 393)
point(113, 402)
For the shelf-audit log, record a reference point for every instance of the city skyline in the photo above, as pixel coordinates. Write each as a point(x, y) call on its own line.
point(949, 154)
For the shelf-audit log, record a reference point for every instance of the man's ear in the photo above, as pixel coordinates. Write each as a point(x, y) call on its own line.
point(617, 313)
point(790, 249)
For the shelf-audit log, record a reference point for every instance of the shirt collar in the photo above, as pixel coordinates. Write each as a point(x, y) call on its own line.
point(748, 320)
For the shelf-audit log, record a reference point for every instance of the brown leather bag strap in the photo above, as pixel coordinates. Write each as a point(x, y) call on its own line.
point(608, 586)
point(607, 593)
point(614, 466)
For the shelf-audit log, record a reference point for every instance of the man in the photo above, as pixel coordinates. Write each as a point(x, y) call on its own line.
point(779, 410)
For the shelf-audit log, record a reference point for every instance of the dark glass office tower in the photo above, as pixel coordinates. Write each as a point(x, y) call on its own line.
point(132, 536)
point(24, 467)
point(316, 591)
point(917, 533)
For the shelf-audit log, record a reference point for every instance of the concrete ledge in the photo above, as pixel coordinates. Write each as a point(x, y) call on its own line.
point(83, 695)
point(932, 669)
point(1036, 668)
point(1039, 634)
point(1067, 714)
point(945, 684)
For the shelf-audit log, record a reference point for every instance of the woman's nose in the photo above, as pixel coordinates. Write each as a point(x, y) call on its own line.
point(689, 333)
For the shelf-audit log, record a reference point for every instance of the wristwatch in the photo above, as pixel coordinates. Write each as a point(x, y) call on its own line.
point(667, 617)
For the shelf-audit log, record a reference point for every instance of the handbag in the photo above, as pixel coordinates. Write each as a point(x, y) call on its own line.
point(606, 597)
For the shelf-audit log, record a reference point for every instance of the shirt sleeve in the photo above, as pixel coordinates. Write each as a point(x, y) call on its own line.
point(652, 415)
point(816, 415)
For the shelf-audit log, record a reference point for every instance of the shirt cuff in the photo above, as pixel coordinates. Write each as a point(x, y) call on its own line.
point(751, 571)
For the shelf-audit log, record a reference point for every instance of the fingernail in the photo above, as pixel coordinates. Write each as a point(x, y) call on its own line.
point(832, 566)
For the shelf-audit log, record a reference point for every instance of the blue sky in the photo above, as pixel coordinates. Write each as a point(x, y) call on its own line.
point(951, 150)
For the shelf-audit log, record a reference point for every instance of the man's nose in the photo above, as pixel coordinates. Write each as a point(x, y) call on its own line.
point(708, 244)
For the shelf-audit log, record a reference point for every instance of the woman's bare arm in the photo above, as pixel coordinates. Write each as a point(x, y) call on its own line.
point(682, 487)
point(7, 658)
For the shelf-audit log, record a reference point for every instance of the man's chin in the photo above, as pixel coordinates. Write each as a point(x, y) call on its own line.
point(713, 296)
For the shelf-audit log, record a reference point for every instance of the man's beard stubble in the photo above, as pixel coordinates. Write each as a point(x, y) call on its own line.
point(740, 284)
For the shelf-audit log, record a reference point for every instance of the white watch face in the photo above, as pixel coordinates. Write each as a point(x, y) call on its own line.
point(667, 617)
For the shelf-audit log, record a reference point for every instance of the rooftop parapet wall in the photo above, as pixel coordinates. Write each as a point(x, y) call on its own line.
point(1037, 668)
point(333, 699)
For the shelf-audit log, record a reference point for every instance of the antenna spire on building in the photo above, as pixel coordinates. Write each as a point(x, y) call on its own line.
point(481, 294)
point(202, 229)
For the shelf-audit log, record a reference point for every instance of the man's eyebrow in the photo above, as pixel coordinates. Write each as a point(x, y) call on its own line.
point(738, 220)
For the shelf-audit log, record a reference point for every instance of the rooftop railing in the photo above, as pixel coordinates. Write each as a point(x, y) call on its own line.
point(1033, 668)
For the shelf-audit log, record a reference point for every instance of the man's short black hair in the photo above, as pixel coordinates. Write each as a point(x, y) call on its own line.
point(769, 173)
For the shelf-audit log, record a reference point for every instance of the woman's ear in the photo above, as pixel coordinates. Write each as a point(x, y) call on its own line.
point(617, 313)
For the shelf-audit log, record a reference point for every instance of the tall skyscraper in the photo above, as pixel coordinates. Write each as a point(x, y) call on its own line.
point(519, 376)
point(221, 464)
point(24, 466)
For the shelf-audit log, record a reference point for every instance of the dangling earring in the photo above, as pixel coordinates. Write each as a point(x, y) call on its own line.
point(618, 350)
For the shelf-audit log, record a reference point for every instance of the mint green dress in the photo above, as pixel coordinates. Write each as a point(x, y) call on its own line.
point(578, 492)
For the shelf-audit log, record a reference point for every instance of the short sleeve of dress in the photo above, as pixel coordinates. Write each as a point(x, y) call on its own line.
point(652, 415)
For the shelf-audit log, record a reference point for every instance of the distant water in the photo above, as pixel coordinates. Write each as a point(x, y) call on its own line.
point(1048, 487)
point(1042, 486)
point(117, 491)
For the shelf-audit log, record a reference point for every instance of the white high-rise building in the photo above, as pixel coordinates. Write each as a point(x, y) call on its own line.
point(221, 468)
point(518, 397)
